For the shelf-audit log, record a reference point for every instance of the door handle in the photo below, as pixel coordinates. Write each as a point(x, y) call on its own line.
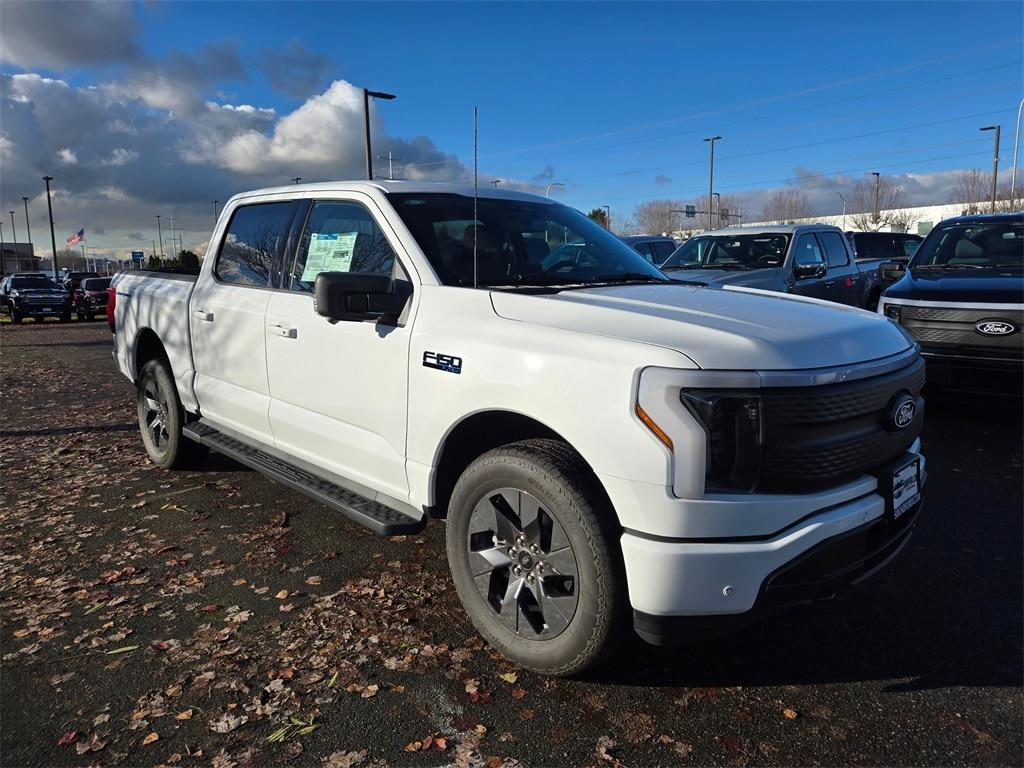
point(285, 331)
point(202, 314)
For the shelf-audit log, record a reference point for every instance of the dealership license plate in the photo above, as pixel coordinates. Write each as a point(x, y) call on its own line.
point(906, 488)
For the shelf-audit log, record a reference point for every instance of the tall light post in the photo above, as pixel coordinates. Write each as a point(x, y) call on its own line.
point(296, 179)
point(607, 217)
point(718, 200)
point(14, 235)
point(547, 192)
point(995, 163)
point(28, 225)
point(366, 119)
point(160, 234)
point(53, 237)
point(844, 208)
point(711, 179)
point(878, 178)
point(3, 259)
point(495, 183)
point(1013, 173)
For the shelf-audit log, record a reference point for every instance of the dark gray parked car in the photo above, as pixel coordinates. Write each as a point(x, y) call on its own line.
point(654, 248)
point(810, 260)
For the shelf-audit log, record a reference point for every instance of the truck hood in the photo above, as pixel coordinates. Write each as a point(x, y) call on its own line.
point(970, 286)
point(725, 329)
point(752, 278)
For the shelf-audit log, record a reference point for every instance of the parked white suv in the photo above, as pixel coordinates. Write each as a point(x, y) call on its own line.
point(608, 447)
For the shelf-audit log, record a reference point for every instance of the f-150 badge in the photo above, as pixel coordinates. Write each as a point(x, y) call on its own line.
point(447, 363)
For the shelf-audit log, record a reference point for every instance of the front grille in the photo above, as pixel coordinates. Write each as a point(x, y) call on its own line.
point(817, 437)
point(953, 331)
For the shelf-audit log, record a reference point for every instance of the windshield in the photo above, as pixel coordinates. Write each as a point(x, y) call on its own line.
point(96, 284)
point(730, 252)
point(28, 283)
point(518, 243)
point(976, 245)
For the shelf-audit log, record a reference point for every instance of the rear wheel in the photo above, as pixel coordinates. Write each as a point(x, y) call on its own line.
point(15, 316)
point(872, 305)
point(161, 418)
point(532, 555)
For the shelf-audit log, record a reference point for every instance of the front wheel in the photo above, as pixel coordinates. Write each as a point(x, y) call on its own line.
point(161, 419)
point(532, 553)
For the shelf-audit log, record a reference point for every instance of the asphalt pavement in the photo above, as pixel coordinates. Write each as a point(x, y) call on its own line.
point(214, 617)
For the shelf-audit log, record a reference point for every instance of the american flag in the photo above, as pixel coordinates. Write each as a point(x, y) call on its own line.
point(76, 238)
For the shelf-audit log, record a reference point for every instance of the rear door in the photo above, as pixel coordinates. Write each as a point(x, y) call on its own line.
point(843, 280)
point(227, 318)
point(661, 250)
point(340, 390)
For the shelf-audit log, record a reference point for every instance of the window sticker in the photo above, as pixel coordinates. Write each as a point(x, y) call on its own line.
point(328, 252)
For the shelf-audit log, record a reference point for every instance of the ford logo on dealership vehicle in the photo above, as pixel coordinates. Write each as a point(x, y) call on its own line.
point(995, 327)
point(903, 411)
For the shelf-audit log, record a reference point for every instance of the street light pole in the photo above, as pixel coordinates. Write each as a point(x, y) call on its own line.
point(366, 120)
point(547, 192)
point(711, 179)
point(718, 198)
point(878, 177)
point(53, 237)
point(160, 234)
point(1013, 173)
point(296, 179)
point(28, 226)
point(14, 235)
point(995, 163)
point(844, 208)
point(607, 217)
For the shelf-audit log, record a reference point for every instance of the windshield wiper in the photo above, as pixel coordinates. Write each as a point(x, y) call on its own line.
point(676, 267)
point(944, 267)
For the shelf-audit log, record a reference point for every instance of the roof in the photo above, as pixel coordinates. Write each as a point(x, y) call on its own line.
point(755, 229)
point(413, 187)
point(981, 218)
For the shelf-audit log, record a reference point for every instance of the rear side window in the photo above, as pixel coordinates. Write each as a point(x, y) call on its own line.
point(835, 250)
point(340, 237)
point(662, 249)
point(644, 249)
point(254, 235)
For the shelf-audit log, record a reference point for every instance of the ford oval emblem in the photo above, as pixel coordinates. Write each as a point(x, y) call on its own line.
point(995, 328)
point(902, 412)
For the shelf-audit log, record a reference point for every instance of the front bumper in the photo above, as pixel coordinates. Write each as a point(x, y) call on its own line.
point(973, 373)
point(736, 577)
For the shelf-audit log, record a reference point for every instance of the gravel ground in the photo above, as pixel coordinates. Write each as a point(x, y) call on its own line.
point(213, 617)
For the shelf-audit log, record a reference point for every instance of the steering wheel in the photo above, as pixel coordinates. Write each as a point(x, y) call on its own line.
point(561, 265)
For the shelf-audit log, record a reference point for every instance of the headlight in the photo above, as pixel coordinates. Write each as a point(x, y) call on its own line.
point(734, 424)
point(892, 311)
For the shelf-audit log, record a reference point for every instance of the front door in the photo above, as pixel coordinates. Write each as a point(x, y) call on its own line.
point(339, 390)
point(844, 278)
point(807, 252)
point(228, 311)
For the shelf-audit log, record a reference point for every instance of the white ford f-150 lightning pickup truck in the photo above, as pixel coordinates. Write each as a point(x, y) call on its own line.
point(607, 447)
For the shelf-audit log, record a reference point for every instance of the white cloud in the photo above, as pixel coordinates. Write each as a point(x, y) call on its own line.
point(66, 156)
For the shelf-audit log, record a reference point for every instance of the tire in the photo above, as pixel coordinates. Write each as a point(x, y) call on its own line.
point(569, 603)
point(15, 316)
point(872, 305)
point(81, 316)
point(161, 419)
point(66, 317)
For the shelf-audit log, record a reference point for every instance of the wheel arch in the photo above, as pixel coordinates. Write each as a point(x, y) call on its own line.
point(479, 432)
point(147, 346)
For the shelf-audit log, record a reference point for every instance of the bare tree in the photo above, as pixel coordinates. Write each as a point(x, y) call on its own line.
point(656, 217)
point(786, 206)
point(971, 189)
point(890, 198)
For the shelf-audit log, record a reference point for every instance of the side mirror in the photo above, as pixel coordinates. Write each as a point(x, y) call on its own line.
point(358, 296)
point(804, 271)
point(891, 270)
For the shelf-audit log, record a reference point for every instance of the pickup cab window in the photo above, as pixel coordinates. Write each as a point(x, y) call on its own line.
point(254, 235)
point(340, 237)
point(729, 252)
point(835, 251)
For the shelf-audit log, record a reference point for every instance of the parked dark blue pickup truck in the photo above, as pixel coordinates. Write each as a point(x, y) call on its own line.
point(811, 260)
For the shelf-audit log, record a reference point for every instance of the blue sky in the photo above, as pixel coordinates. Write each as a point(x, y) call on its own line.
point(611, 99)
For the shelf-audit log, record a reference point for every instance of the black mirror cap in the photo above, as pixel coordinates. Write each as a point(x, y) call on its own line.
point(892, 270)
point(355, 296)
point(802, 271)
